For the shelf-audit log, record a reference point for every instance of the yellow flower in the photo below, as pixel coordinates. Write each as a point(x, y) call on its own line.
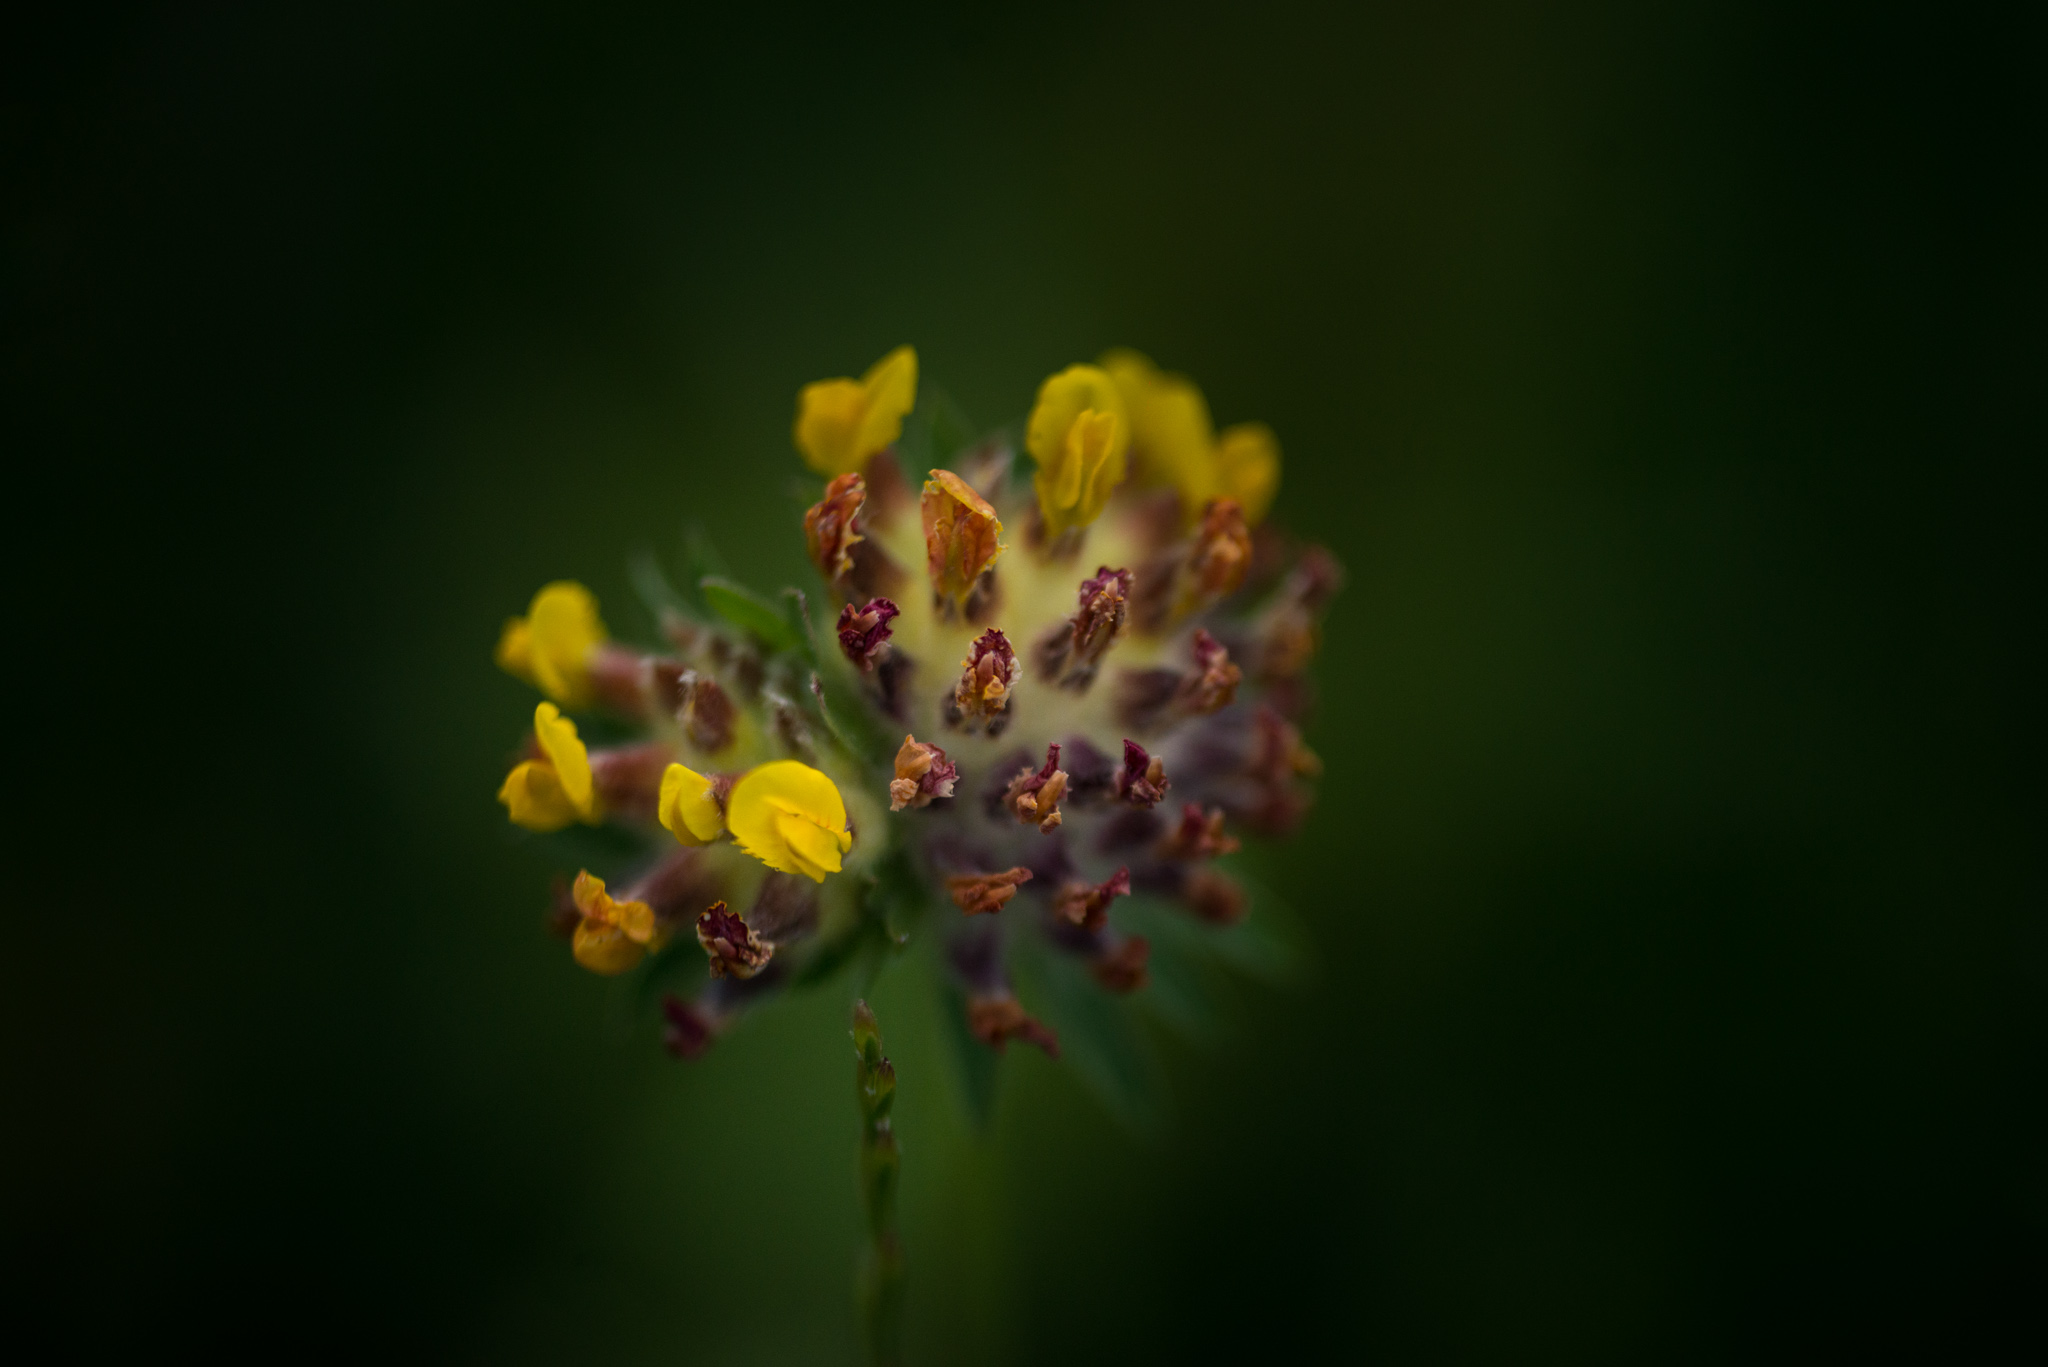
point(790, 817)
point(1079, 436)
point(687, 807)
point(1248, 467)
point(550, 646)
point(548, 794)
point(840, 423)
point(612, 935)
point(1171, 436)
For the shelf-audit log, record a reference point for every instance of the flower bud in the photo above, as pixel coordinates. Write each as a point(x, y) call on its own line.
point(1034, 796)
point(864, 632)
point(704, 711)
point(628, 779)
point(922, 774)
point(1142, 780)
point(979, 894)
point(730, 944)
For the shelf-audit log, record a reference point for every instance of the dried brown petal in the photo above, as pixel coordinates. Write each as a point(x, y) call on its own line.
point(996, 1021)
point(962, 537)
point(730, 945)
point(922, 773)
point(830, 530)
point(1034, 795)
point(981, 894)
point(1081, 905)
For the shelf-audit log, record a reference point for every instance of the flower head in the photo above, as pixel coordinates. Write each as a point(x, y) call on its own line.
point(841, 423)
point(1151, 711)
point(1079, 436)
point(550, 646)
point(790, 817)
point(555, 789)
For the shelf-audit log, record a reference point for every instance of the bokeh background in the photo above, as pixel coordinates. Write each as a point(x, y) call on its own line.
point(1675, 887)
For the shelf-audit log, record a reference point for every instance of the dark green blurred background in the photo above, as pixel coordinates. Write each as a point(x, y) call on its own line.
point(1676, 880)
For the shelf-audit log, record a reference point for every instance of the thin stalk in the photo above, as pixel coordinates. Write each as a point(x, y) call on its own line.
point(881, 1272)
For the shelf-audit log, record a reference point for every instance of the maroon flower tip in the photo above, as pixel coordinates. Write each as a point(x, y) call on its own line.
point(1142, 781)
point(864, 632)
point(731, 946)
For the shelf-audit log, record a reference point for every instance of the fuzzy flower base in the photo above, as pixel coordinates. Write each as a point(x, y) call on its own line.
point(1042, 690)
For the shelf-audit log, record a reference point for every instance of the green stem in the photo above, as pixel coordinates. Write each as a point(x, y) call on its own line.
point(881, 1274)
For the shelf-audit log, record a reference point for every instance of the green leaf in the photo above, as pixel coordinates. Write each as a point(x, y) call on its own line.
point(1100, 1039)
point(976, 1066)
point(750, 612)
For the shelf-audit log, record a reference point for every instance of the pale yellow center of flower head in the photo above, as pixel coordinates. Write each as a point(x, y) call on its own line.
point(550, 646)
point(790, 817)
point(687, 808)
point(612, 935)
point(555, 791)
point(841, 423)
point(1079, 435)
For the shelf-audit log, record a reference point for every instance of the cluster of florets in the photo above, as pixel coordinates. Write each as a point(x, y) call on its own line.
point(1089, 714)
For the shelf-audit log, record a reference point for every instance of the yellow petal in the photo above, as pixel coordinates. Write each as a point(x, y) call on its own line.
point(562, 629)
point(568, 757)
point(534, 797)
point(783, 789)
point(687, 808)
point(1248, 467)
point(891, 389)
point(604, 948)
point(812, 848)
point(828, 417)
point(841, 423)
point(515, 649)
point(1073, 480)
point(1171, 436)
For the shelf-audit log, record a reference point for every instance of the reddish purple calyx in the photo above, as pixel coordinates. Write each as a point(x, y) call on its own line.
point(864, 632)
